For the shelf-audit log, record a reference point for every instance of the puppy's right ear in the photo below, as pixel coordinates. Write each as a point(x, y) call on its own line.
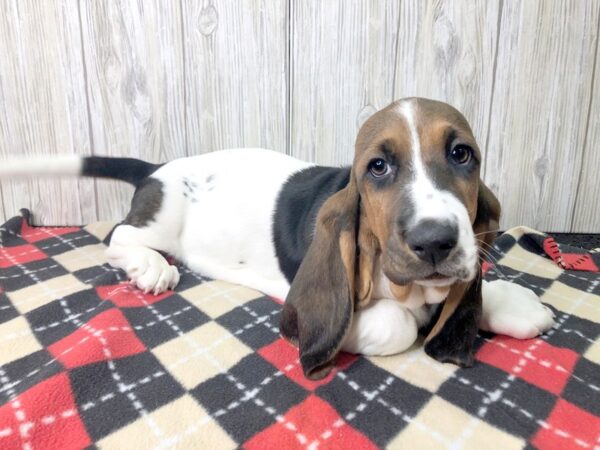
point(318, 309)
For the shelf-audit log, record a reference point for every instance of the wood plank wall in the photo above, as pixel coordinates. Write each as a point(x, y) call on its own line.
point(165, 79)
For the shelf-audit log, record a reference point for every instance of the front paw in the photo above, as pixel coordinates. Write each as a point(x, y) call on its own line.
point(156, 278)
point(146, 268)
point(514, 310)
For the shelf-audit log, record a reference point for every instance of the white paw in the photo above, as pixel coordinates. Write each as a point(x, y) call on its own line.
point(146, 268)
point(513, 310)
point(383, 328)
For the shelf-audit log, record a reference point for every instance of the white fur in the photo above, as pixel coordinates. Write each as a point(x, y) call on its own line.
point(388, 326)
point(513, 310)
point(146, 268)
point(222, 229)
point(432, 203)
point(384, 328)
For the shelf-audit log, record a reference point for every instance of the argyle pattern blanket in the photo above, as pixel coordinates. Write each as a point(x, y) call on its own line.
point(87, 361)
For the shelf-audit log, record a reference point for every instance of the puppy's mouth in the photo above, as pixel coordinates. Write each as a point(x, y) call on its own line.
point(433, 279)
point(432, 276)
point(401, 269)
point(436, 279)
point(435, 276)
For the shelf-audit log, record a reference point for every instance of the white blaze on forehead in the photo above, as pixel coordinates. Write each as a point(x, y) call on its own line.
point(429, 202)
point(407, 111)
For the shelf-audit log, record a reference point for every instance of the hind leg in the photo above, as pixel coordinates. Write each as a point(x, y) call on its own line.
point(152, 225)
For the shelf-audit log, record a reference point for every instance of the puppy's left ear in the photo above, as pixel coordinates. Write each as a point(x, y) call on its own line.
point(318, 309)
point(453, 335)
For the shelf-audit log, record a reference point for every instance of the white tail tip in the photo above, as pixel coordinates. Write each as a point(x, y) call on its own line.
point(57, 165)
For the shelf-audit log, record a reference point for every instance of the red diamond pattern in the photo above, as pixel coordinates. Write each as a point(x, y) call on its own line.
point(21, 254)
point(533, 360)
point(44, 416)
point(107, 336)
point(284, 356)
point(125, 295)
point(35, 234)
point(327, 430)
point(568, 427)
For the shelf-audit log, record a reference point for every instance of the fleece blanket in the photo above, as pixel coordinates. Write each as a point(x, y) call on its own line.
point(87, 361)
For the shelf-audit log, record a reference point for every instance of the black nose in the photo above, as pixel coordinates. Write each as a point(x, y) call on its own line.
point(431, 240)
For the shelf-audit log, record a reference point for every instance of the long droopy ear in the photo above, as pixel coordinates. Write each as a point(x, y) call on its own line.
point(318, 310)
point(451, 338)
point(487, 220)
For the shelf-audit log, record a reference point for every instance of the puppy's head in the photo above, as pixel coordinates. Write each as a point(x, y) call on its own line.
point(415, 202)
point(417, 167)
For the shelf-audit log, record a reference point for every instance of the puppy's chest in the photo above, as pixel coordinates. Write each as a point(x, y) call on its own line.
point(412, 296)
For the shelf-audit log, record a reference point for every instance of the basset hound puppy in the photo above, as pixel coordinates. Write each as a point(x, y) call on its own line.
point(364, 256)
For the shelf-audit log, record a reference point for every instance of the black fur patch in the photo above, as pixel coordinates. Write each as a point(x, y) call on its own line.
point(146, 202)
point(296, 212)
point(130, 170)
point(455, 341)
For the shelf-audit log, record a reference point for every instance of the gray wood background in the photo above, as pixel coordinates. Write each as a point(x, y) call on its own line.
point(164, 79)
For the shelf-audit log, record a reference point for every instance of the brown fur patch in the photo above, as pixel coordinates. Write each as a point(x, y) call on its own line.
point(401, 292)
point(369, 250)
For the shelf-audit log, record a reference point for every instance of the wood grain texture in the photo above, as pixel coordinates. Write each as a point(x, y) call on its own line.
point(43, 106)
point(164, 79)
point(342, 71)
point(540, 103)
point(586, 217)
point(134, 66)
point(235, 71)
point(447, 52)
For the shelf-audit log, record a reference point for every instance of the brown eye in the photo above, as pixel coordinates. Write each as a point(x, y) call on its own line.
point(461, 155)
point(378, 167)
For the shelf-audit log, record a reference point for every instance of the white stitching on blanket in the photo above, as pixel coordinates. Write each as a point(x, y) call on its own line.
point(107, 269)
point(203, 350)
point(47, 247)
point(18, 411)
point(138, 406)
point(580, 334)
point(370, 396)
point(41, 230)
point(136, 327)
point(518, 259)
point(167, 442)
point(236, 333)
point(14, 400)
point(541, 362)
point(497, 394)
point(128, 387)
point(523, 361)
point(46, 420)
point(506, 402)
point(249, 395)
point(28, 272)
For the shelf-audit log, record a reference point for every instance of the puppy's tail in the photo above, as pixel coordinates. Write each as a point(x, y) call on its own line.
point(130, 170)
